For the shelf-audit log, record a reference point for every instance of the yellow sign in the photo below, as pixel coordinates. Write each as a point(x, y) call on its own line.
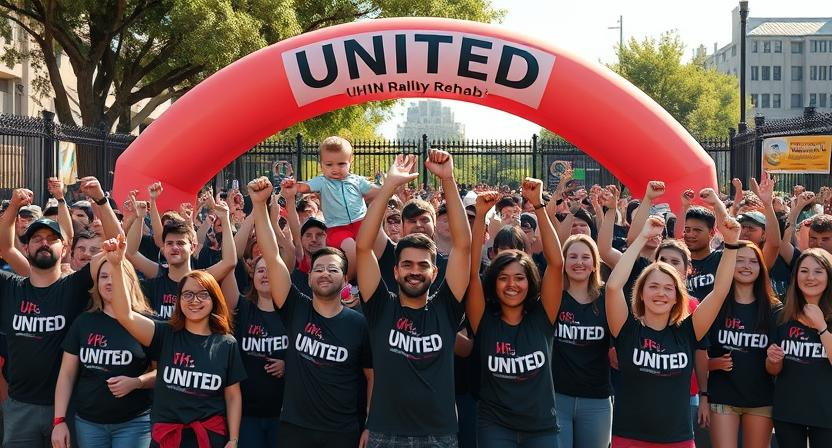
point(798, 154)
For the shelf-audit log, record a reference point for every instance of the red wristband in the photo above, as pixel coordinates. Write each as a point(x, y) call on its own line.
point(58, 420)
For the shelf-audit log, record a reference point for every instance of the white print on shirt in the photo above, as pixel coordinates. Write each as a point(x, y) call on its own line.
point(166, 308)
point(740, 340)
point(320, 350)
point(405, 340)
point(105, 357)
point(699, 281)
point(652, 359)
point(191, 379)
point(264, 345)
point(571, 331)
point(801, 349)
point(516, 368)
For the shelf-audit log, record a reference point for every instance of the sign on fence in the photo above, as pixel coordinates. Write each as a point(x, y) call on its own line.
point(808, 154)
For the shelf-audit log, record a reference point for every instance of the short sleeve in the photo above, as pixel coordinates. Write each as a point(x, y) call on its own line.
point(316, 183)
point(366, 357)
point(72, 340)
point(287, 311)
point(364, 186)
point(81, 283)
point(236, 370)
point(161, 333)
point(455, 307)
point(373, 307)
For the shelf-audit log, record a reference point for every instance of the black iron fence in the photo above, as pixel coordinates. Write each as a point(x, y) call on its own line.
point(30, 150)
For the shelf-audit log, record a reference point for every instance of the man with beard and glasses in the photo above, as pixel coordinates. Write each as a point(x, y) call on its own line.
point(329, 350)
point(35, 314)
point(412, 336)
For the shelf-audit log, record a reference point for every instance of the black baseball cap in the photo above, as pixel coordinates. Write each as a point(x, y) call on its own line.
point(43, 223)
point(312, 222)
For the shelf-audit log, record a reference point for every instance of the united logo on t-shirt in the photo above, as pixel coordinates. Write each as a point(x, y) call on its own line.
point(96, 355)
point(29, 322)
point(257, 341)
point(167, 305)
point(405, 340)
point(799, 347)
point(505, 363)
point(191, 381)
point(570, 330)
point(311, 346)
point(733, 337)
point(650, 357)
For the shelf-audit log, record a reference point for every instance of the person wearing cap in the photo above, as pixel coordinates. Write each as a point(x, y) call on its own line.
point(161, 285)
point(393, 224)
point(36, 313)
point(25, 216)
point(82, 212)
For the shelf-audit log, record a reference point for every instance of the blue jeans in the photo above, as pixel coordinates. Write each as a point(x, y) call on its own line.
point(130, 434)
point(584, 422)
point(259, 432)
point(492, 435)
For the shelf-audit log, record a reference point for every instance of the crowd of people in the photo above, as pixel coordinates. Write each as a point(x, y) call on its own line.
point(339, 312)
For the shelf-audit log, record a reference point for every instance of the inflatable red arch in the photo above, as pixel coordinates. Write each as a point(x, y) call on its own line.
point(269, 90)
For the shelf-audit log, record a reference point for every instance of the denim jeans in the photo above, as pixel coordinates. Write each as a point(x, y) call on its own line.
point(584, 422)
point(492, 435)
point(27, 425)
point(133, 433)
point(259, 432)
point(381, 440)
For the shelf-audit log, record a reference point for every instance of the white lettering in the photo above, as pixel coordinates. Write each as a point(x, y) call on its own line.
point(521, 364)
point(415, 344)
point(660, 361)
point(265, 345)
point(740, 339)
point(804, 349)
point(318, 349)
point(105, 357)
point(191, 379)
point(579, 333)
point(32, 324)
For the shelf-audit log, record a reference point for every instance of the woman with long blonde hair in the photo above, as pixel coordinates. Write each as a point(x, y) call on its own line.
point(106, 371)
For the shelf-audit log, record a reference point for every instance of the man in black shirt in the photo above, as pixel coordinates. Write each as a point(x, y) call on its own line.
point(412, 337)
point(329, 349)
point(35, 314)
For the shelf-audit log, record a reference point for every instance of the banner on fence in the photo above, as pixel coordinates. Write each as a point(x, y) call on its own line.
point(808, 154)
point(68, 166)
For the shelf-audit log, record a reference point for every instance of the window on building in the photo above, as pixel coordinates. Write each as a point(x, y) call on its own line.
point(723, 56)
point(822, 73)
point(813, 73)
point(797, 73)
point(778, 46)
point(797, 47)
point(775, 73)
point(821, 100)
point(813, 100)
point(754, 44)
point(754, 101)
point(765, 101)
point(733, 50)
point(797, 100)
point(755, 73)
point(766, 46)
point(766, 73)
point(775, 101)
point(819, 46)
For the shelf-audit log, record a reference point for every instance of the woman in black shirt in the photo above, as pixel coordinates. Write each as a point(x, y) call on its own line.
point(197, 401)
point(514, 333)
point(656, 342)
point(105, 370)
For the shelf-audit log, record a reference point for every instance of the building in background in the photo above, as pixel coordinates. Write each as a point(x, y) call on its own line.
point(430, 117)
point(788, 63)
point(17, 93)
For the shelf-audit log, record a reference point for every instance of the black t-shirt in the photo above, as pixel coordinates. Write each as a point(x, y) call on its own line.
point(739, 333)
point(301, 281)
point(413, 358)
point(324, 365)
point(260, 335)
point(639, 266)
point(653, 402)
point(515, 361)
point(192, 374)
point(161, 293)
point(106, 350)
point(781, 274)
point(701, 278)
point(802, 392)
point(35, 321)
point(387, 262)
point(580, 361)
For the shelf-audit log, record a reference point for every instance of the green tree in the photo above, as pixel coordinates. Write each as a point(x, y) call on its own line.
point(155, 50)
point(704, 101)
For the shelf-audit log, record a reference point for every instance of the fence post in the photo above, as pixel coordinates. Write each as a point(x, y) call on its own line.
point(535, 155)
point(49, 157)
point(299, 155)
point(101, 162)
point(756, 161)
point(732, 155)
point(424, 159)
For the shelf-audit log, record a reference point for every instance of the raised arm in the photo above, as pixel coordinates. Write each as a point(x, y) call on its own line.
point(787, 243)
point(440, 163)
point(229, 252)
point(708, 309)
point(285, 244)
point(368, 273)
point(551, 289)
point(92, 188)
point(243, 234)
point(139, 326)
point(292, 218)
point(654, 190)
point(260, 190)
point(679, 230)
point(609, 254)
point(617, 309)
point(737, 183)
point(11, 254)
point(765, 191)
point(56, 189)
point(148, 268)
point(475, 301)
point(154, 190)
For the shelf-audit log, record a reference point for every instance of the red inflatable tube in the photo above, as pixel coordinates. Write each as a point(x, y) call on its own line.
point(308, 75)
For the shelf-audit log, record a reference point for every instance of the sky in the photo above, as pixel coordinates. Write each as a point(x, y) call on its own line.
point(582, 27)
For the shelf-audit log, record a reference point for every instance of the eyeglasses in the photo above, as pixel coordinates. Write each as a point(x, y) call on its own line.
point(51, 239)
point(191, 297)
